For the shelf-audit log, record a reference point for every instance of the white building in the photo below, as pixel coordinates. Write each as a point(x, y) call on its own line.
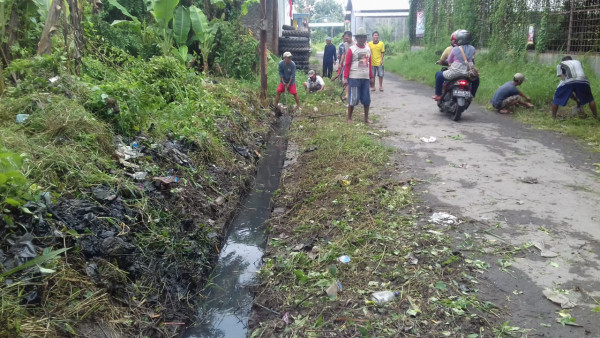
point(380, 15)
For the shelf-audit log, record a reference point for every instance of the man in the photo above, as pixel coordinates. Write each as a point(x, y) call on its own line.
point(358, 74)
point(314, 83)
point(508, 95)
point(287, 78)
point(377, 52)
point(574, 84)
point(329, 58)
point(347, 38)
point(340, 54)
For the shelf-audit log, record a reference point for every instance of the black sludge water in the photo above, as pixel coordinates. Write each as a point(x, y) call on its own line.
point(227, 306)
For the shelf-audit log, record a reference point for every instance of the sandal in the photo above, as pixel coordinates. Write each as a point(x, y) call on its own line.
point(503, 111)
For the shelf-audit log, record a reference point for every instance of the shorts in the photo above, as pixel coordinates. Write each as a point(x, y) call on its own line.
point(291, 89)
point(377, 71)
point(314, 87)
point(508, 101)
point(581, 89)
point(359, 90)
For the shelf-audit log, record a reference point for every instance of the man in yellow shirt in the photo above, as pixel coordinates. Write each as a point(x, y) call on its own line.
point(377, 52)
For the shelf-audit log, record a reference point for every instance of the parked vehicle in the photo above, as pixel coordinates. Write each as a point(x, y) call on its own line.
point(456, 97)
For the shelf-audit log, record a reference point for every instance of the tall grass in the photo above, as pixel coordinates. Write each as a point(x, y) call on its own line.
point(542, 81)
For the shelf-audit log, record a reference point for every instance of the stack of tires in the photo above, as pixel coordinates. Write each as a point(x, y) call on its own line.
point(297, 43)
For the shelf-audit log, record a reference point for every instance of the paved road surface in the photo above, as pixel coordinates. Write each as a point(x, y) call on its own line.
point(479, 176)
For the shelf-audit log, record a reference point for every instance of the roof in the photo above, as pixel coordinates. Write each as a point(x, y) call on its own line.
point(375, 6)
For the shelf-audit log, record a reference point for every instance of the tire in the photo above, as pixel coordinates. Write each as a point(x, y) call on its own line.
point(293, 39)
point(298, 50)
point(295, 44)
point(458, 113)
point(305, 34)
point(288, 28)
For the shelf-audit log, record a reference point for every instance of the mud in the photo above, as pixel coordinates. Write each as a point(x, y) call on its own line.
point(476, 170)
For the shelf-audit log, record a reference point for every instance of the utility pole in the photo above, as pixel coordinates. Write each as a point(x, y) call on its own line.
point(263, 51)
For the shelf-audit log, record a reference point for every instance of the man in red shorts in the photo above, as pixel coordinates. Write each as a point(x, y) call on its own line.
point(287, 76)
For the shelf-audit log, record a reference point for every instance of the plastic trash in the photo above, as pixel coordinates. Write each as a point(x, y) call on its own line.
point(344, 259)
point(444, 218)
point(429, 139)
point(21, 118)
point(382, 297)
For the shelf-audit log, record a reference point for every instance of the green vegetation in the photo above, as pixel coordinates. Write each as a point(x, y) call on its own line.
point(112, 163)
point(542, 81)
point(341, 198)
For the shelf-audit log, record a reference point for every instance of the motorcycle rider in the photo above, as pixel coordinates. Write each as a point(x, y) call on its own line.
point(458, 67)
point(447, 51)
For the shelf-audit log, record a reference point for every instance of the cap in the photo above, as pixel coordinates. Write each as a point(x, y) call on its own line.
point(519, 77)
point(328, 38)
point(287, 55)
point(311, 72)
point(361, 31)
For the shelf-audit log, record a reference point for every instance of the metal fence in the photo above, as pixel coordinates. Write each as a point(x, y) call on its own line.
point(557, 25)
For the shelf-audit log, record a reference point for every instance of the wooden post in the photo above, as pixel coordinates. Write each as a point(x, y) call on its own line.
point(45, 44)
point(275, 28)
point(263, 51)
point(570, 33)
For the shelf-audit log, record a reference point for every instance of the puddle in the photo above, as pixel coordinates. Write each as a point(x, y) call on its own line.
point(228, 297)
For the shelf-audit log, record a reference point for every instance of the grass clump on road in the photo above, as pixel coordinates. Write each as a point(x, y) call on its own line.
point(542, 81)
point(341, 199)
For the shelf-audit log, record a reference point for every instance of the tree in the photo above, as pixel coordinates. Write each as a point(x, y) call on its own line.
point(328, 9)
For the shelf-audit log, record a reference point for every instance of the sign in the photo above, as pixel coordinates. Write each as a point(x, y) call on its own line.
point(530, 34)
point(420, 30)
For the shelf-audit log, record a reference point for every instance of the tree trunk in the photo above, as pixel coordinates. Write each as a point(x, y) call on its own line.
point(13, 29)
point(75, 18)
point(45, 44)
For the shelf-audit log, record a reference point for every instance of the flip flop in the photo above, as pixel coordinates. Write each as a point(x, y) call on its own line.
point(380, 89)
point(372, 89)
point(503, 111)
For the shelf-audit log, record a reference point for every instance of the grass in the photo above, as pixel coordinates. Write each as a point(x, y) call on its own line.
point(339, 199)
point(542, 81)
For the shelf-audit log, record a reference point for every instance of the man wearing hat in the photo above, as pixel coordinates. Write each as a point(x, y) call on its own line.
point(329, 58)
point(358, 74)
point(508, 95)
point(314, 83)
point(287, 78)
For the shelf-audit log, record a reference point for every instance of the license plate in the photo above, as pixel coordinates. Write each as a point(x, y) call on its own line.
point(461, 93)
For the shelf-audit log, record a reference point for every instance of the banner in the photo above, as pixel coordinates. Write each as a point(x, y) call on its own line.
point(420, 31)
point(530, 34)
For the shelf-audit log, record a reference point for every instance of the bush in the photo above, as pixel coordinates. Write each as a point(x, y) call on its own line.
point(234, 53)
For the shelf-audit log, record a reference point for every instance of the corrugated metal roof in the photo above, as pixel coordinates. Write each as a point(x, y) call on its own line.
point(379, 5)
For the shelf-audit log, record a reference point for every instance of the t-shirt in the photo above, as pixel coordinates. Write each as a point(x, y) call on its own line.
point(346, 47)
point(287, 71)
point(505, 91)
point(446, 54)
point(359, 61)
point(572, 71)
point(377, 50)
point(329, 55)
point(318, 80)
point(457, 57)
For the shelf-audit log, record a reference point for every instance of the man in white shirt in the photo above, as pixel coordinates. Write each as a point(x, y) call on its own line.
point(314, 83)
point(573, 85)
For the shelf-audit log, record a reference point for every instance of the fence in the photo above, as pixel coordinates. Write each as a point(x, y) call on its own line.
point(552, 25)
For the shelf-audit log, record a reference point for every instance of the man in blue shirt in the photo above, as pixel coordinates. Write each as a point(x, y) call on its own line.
point(508, 95)
point(329, 58)
point(287, 78)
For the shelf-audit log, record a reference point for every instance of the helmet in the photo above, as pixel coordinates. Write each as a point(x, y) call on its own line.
point(463, 37)
point(453, 38)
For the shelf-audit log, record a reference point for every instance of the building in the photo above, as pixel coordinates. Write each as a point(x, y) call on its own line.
point(386, 16)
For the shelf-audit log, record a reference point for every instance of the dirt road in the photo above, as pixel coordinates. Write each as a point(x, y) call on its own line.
point(519, 184)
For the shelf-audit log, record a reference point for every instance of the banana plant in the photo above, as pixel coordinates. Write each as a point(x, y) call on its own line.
point(204, 33)
point(181, 30)
point(163, 12)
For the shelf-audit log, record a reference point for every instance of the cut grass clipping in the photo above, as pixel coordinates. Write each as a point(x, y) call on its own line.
point(339, 200)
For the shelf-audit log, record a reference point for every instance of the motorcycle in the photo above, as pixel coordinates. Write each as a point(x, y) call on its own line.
point(456, 97)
